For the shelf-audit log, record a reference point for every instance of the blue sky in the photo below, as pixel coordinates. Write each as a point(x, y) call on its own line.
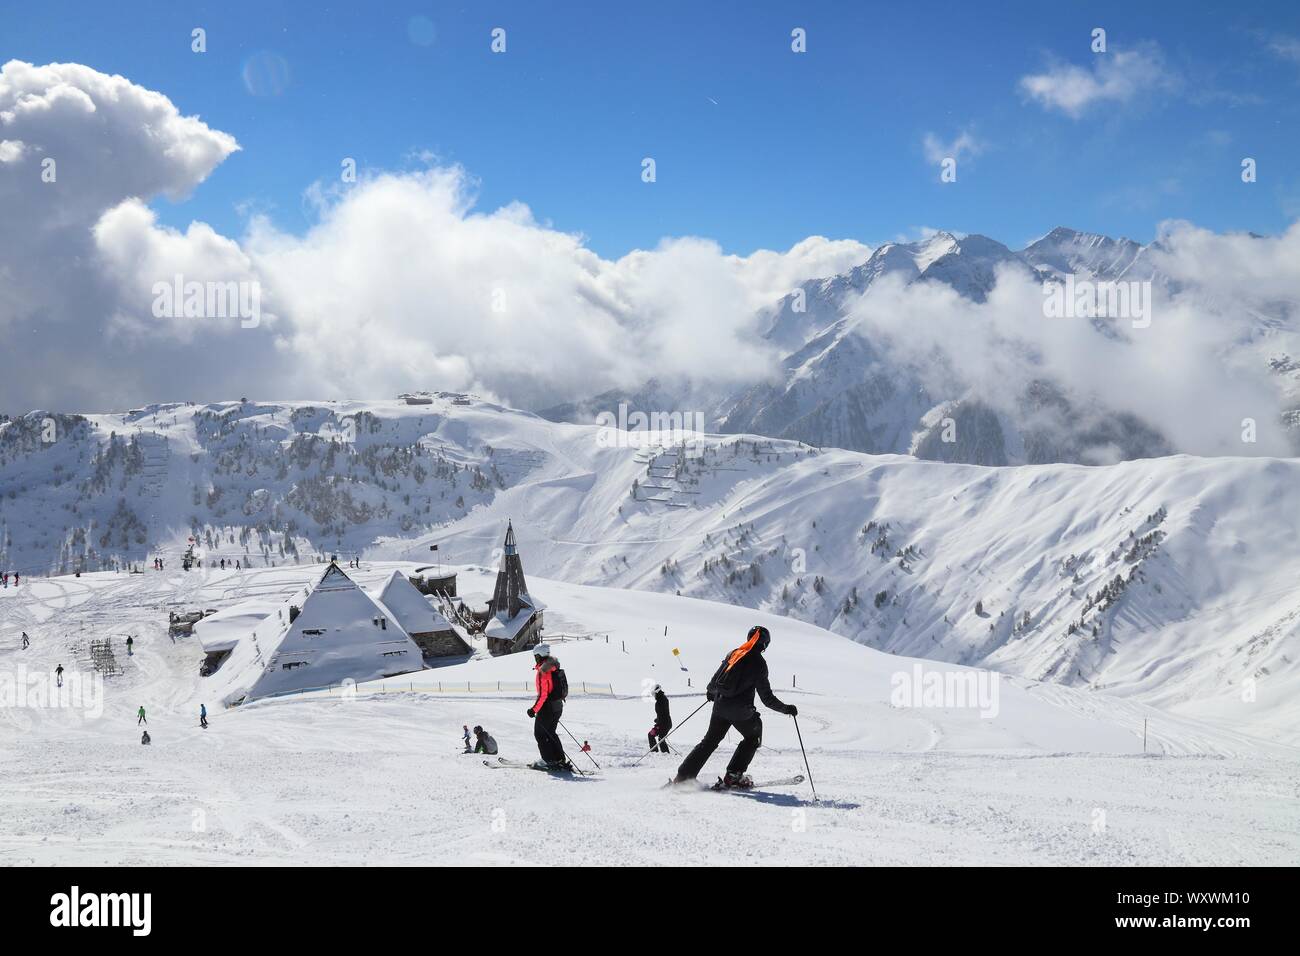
point(756, 146)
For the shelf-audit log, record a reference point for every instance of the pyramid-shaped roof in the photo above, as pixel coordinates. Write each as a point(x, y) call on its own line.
point(340, 634)
point(410, 608)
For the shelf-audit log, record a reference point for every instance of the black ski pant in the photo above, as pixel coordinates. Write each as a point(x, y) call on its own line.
point(544, 724)
point(750, 727)
point(660, 732)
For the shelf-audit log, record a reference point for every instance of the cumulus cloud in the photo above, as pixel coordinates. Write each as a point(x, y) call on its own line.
point(442, 294)
point(76, 143)
point(1118, 76)
point(402, 282)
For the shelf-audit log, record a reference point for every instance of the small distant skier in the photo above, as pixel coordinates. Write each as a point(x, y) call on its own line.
point(237, 565)
point(741, 673)
point(145, 738)
point(465, 736)
point(139, 716)
point(552, 688)
point(223, 564)
point(58, 675)
point(484, 743)
point(586, 747)
point(26, 641)
point(663, 721)
point(130, 642)
point(15, 579)
point(203, 716)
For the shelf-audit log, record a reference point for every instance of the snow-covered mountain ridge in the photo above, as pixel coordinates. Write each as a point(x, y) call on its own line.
point(874, 359)
point(1170, 579)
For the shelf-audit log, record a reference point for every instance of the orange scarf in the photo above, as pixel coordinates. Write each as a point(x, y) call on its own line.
point(743, 649)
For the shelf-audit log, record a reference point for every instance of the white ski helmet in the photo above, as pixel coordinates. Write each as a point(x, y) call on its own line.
point(542, 650)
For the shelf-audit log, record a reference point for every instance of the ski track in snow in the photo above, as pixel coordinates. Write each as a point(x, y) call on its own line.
point(317, 779)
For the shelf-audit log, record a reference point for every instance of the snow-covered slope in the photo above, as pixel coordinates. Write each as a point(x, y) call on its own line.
point(1067, 252)
point(1038, 774)
point(248, 480)
point(1170, 580)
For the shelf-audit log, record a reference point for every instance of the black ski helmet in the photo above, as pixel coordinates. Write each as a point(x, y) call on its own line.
point(764, 636)
point(478, 729)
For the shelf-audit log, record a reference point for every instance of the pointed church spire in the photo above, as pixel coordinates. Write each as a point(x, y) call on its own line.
point(511, 592)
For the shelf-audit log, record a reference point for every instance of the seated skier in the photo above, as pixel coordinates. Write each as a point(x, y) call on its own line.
point(484, 742)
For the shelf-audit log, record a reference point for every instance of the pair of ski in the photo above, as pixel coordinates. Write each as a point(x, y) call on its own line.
point(502, 762)
point(719, 787)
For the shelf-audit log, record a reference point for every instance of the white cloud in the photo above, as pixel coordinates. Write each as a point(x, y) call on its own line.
point(962, 145)
point(136, 253)
point(110, 141)
point(1287, 47)
point(395, 286)
point(497, 302)
point(1193, 374)
point(1118, 76)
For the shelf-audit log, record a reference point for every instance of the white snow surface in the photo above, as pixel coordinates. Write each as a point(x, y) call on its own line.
point(1056, 776)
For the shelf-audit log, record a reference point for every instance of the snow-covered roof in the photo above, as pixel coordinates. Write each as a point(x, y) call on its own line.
point(223, 630)
point(410, 608)
point(340, 634)
point(505, 628)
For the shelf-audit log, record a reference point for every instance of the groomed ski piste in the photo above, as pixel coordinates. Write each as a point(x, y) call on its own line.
point(374, 774)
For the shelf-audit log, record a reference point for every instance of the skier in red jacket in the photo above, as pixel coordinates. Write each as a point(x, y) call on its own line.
point(552, 688)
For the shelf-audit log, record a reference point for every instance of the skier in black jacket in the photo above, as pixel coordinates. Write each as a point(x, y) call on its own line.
point(663, 721)
point(732, 689)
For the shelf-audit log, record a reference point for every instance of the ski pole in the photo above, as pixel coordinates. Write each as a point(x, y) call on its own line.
point(575, 740)
point(671, 732)
point(805, 758)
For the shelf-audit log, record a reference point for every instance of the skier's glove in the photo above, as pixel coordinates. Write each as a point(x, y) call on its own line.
point(530, 712)
point(791, 710)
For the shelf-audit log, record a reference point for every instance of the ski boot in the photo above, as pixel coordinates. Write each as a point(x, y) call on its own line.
point(736, 781)
point(554, 766)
